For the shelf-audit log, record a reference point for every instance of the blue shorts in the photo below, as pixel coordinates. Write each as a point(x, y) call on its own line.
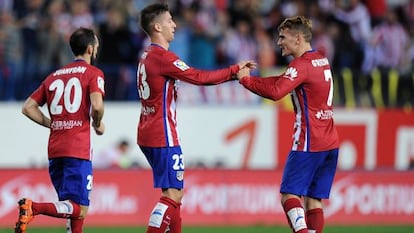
point(167, 165)
point(309, 174)
point(72, 179)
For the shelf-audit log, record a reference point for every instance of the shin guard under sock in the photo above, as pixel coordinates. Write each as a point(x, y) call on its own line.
point(165, 217)
point(60, 209)
point(295, 215)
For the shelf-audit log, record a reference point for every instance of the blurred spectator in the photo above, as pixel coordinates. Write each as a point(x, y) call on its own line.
point(113, 157)
point(58, 12)
point(323, 32)
point(292, 8)
point(377, 10)
point(411, 164)
point(81, 14)
point(223, 31)
point(390, 43)
point(182, 36)
point(242, 9)
point(266, 53)
point(118, 53)
point(6, 5)
point(29, 19)
point(238, 43)
point(355, 14)
point(52, 42)
point(10, 56)
point(204, 35)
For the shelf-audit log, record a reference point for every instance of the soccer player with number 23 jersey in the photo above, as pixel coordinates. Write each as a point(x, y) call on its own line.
point(159, 72)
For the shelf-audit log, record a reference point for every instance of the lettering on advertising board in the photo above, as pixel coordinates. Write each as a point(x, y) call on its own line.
point(217, 197)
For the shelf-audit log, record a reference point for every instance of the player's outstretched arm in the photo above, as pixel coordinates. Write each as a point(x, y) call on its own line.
point(31, 110)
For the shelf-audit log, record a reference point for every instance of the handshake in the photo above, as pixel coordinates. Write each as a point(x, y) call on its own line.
point(245, 68)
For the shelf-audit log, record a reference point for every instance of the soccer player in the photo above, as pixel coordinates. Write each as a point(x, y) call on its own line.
point(312, 161)
point(73, 95)
point(158, 76)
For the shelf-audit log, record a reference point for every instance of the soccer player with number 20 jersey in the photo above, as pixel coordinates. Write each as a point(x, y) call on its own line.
point(73, 95)
point(158, 74)
point(312, 161)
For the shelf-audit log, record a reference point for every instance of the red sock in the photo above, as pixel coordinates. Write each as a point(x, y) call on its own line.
point(295, 215)
point(175, 226)
point(165, 216)
point(315, 219)
point(60, 209)
point(74, 225)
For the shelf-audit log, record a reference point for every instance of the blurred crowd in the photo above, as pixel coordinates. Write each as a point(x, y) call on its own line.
point(370, 43)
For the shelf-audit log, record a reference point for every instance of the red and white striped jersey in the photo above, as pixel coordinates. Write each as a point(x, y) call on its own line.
point(158, 75)
point(310, 82)
point(67, 95)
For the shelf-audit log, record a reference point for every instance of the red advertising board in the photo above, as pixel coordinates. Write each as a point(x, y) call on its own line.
point(368, 139)
point(218, 197)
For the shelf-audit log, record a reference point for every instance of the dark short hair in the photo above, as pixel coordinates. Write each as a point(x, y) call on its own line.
point(149, 13)
point(299, 24)
point(80, 39)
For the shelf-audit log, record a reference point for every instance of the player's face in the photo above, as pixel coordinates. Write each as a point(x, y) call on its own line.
point(288, 41)
point(167, 26)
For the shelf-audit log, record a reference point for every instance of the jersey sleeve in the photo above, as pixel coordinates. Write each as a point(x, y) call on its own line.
point(39, 95)
point(97, 82)
point(175, 68)
point(275, 87)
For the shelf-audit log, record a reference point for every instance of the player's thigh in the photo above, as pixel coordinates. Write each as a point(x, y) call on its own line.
point(167, 165)
point(298, 173)
point(324, 175)
point(72, 179)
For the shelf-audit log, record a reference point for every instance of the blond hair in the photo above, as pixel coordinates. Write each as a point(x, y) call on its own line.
point(299, 24)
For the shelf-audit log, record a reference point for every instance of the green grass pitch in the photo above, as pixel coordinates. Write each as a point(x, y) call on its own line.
point(229, 229)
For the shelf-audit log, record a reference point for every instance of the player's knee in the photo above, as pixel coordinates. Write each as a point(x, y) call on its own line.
point(312, 203)
point(174, 194)
point(83, 211)
point(286, 196)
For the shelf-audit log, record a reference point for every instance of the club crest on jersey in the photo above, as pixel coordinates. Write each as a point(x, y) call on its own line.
point(291, 73)
point(180, 175)
point(181, 65)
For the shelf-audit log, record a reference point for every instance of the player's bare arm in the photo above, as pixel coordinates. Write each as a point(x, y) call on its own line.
point(97, 112)
point(32, 111)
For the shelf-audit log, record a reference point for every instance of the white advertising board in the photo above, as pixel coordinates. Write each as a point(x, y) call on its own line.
point(232, 137)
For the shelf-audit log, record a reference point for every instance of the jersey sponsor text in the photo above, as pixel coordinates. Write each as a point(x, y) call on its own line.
point(60, 125)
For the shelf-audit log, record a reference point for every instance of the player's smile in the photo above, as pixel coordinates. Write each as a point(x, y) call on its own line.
point(285, 49)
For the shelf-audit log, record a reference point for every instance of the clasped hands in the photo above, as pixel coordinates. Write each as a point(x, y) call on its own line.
point(245, 68)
